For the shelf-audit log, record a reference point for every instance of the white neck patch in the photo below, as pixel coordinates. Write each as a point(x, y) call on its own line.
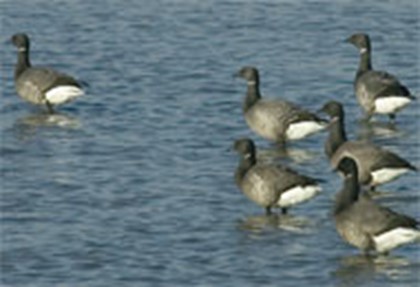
point(363, 50)
point(349, 175)
point(335, 119)
point(247, 156)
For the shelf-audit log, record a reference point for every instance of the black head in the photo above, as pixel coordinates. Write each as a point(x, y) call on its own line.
point(245, 147)
point(347, 166)
point(333, 109)
point(249, 73)
point(360, 40)
point(21, 41)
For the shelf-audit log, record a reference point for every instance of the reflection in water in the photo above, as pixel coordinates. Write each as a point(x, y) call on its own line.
point(370, 130)
point(297, 155)
point(28, 125)
point(382, 193)
point(359, 269)
point(258, 223)
point(52, 120)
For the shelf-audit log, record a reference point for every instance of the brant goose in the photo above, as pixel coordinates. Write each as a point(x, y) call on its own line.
point(377, 92)
point(363, 223)
point(271, 186)
point(275, 120)
point(376, 165)
point(40, 85)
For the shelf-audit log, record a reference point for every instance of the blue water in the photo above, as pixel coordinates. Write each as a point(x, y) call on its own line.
point(132, 185)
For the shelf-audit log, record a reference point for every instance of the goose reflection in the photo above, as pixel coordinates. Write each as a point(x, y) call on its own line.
point(370, 130)
point(296, 155)
point(259, 223)
point(49, 120)
point(28, 125)
point(360, 269)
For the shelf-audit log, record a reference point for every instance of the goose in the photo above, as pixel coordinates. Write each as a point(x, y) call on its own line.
point(363, 223)
point(376, 165)
point(377, 92)
point(270, 186)
point(41, 85)
point(275, 120)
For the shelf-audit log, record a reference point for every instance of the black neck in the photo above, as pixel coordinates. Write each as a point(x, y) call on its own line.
point(23, 63)
point(252, 95)
point(336, 137)
point(245, 164)
point(349, 194)
point(365, 63)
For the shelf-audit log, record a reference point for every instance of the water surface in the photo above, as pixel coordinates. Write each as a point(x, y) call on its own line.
point(132, 185)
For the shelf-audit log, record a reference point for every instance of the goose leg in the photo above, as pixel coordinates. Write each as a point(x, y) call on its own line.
point(268, 210)
point(392, 118)
point(386, 253)
point(366, 252)
point(284, 210)
point(367, 117)
point(372, 191)
point(49, 107)
point(281, 142)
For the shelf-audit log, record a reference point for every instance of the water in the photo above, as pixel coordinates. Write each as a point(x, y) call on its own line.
point(132, 185)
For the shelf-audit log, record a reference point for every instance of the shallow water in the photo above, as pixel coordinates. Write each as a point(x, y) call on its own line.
point(132, 185)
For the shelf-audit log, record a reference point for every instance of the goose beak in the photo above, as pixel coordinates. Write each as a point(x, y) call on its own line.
point(231, 148)
point(320, 112)
point(236, 75)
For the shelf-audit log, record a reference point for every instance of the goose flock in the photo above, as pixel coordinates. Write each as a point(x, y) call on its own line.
point(359, 220)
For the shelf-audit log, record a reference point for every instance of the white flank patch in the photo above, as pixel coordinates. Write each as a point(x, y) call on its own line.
point(387, 174)
point(302, 129)
point(392, 104)
point(63, 94)
point(395, 237)
point(297, 195)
